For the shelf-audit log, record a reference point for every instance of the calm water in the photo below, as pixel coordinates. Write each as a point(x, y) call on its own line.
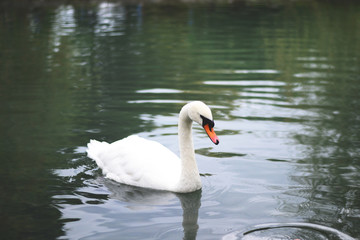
point(283, 80)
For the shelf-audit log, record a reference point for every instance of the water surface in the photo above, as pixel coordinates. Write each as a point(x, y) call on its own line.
point(281, 78)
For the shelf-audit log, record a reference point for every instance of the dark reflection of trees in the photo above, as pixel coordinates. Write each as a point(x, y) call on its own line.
point(329, 173)
point(28, 124)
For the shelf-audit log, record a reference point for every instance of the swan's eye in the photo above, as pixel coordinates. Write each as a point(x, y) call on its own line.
point(207, 121)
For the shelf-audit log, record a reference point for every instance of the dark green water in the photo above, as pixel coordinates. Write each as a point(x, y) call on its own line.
point(282, 79)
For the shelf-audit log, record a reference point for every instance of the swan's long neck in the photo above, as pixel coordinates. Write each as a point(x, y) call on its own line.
point(190, 177)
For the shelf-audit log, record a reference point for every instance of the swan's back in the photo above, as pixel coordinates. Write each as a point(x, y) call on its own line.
point(137, 161)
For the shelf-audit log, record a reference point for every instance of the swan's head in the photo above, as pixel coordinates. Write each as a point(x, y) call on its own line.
point(199, 112)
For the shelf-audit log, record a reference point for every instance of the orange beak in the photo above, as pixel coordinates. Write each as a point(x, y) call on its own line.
point(211, 133)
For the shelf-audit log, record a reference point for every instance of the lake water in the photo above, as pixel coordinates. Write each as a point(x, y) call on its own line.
point(282, 79)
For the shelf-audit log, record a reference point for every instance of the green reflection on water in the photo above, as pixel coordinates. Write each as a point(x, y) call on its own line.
point(71, 72)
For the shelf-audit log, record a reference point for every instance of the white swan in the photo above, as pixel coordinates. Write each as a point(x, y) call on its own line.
point(144, 163)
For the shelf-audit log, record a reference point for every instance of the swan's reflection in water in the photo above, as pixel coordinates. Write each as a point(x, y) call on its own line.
point(190, 203)
point(142, 198)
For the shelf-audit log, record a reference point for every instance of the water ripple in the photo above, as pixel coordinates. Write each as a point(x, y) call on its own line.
point(246, 83)
point(288, 231)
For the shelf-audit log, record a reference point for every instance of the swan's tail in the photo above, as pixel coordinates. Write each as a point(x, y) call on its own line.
point(94, 149)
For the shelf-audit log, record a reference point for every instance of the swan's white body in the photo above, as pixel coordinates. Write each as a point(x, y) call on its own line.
point(144, 163)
